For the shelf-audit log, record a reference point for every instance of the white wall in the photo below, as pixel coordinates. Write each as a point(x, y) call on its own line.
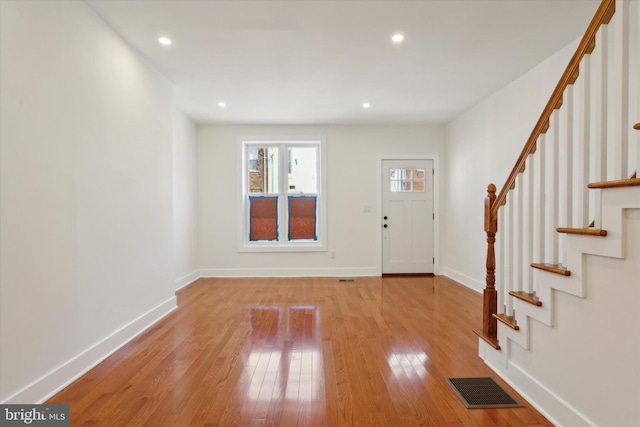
point(482, 145)
point(86, 195)
point(185, 219)
point(352, 153)
point(590, 358)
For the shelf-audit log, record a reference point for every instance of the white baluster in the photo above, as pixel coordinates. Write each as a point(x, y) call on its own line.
point(634, 86)
point(569, 154)
point(581, 117)
point(501, 267)
point(509, 266)
point(552, 192)
point(518, 229)
point(618, 128)
point(530, 206)
point(598, 121)
point(540, 205)
point(565, 162)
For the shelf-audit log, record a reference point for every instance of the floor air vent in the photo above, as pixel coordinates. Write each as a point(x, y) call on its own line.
point(482, 393)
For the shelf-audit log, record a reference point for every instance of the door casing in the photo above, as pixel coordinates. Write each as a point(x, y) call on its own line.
point(436, 205)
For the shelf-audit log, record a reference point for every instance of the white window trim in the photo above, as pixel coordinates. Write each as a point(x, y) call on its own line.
point(243, 243)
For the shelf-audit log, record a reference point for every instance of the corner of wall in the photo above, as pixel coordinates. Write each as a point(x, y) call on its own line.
point(463, 279)
point(187, 279)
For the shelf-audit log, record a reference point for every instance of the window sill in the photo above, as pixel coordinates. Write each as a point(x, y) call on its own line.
point(283, 247)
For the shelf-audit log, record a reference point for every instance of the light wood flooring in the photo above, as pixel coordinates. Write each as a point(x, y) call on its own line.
point(298, 352)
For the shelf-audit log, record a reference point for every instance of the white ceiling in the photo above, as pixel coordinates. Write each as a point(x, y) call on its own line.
point(317, 61)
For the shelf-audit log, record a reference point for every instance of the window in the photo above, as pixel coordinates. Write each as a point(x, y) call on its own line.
point(406, 180)
point(282, 197)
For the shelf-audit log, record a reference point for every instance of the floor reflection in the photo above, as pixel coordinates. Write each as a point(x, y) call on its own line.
point(408, 364)
point(285, 366)
point(264, 322)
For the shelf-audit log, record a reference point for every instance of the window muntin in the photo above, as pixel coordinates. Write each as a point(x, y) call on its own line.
point(407, 180)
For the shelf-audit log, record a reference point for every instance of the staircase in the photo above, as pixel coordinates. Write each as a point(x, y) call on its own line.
point(565, 201)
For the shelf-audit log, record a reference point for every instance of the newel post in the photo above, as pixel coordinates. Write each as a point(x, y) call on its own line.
point(489, 323)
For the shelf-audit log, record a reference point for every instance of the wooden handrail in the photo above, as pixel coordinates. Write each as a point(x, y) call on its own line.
point(587, 44)
point(636, 126)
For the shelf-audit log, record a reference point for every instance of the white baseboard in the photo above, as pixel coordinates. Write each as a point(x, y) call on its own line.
point(462, 278)
point(51, 383)
point(187, 279)
point(288, 272)
point(549, 404)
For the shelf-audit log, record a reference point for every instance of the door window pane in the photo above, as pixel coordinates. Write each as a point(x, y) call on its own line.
point(418, 180)
point(395, 180)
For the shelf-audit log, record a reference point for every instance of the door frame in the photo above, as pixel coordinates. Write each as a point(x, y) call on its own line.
point(436, 205)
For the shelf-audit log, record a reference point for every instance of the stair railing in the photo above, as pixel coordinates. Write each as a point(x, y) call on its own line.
point(584, 135)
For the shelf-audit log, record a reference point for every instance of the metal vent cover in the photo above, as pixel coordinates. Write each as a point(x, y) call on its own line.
point(482, 393)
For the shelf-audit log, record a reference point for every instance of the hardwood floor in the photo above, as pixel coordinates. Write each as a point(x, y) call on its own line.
point(296, 352)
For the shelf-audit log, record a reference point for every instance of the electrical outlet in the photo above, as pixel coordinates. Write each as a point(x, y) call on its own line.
point(332, 255)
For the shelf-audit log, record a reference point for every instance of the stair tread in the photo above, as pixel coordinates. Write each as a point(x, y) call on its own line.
point(527, 297)
point(583, 231)
point(492, 341)
point(510, 321)
point(552, 268)
point(631, 182)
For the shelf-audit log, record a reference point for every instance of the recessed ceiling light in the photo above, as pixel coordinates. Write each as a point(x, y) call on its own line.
point(397, 38)
point(366, 105)
point(165, 41)
point(222, 104)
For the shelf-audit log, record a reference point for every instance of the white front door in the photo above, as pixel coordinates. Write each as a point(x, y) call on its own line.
point(407, 216)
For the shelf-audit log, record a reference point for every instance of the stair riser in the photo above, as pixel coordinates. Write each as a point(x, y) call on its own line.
point(576, 246)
